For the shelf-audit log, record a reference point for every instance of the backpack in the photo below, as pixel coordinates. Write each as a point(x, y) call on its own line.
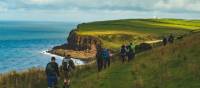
point(66, 65)
point(123, 51)
point(133, 48)
point(71, 64)
point(104, 54)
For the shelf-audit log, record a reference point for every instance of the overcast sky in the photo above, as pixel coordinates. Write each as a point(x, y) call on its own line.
point(92, 10)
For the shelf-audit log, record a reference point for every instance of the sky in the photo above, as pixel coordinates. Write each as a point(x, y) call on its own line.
point(95, 10)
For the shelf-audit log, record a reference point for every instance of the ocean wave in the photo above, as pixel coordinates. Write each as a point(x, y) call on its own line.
point(76, 61)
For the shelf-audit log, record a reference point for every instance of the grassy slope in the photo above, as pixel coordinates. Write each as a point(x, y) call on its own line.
point(32, 78)
point(141, 25)
point(118, 32)
point(172, 66)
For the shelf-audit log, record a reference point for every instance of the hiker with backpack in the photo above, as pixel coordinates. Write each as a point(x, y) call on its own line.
point(171, 38)
point(130, 54)
point(67, 67)
point(105, 56)
point(52, 73)
point(164, 41)
point(109, 57)
point(99, 58)
point(123, 53)
point(132, 46)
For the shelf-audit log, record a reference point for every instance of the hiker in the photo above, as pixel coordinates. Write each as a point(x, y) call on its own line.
point(99, 58)
point(52, 73)
point(132, 46)
point(123, 53)
point(164, 41)
point(67, 67)
point(127, 49)
point(105, 57)
point(109, 57)
point(171, 39)
point(130, 54)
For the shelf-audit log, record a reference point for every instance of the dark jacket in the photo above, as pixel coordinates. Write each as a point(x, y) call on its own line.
point(123, 52)
point(54, 69)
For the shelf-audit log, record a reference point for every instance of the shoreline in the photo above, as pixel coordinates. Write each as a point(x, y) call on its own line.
point(77, 62)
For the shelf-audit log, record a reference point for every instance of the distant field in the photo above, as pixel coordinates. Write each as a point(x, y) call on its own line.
point(117, 32)
point(154, 26)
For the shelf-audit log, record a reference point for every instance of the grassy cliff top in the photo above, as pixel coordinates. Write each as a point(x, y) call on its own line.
point(147, 26)
point(117, 32)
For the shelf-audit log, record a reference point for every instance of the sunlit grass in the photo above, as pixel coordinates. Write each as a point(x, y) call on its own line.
point(107, 32)
point(172, 66)
point(115, 33)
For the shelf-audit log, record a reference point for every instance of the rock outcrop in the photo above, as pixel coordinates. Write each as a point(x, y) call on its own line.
point(81, 42)
point(78, 46)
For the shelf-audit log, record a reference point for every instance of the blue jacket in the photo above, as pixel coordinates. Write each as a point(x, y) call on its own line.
point(105, 54)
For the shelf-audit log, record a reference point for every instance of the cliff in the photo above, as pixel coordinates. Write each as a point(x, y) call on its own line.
point(82, 41)
point(78, 46)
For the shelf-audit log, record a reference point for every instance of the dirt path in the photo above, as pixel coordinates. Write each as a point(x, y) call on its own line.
point(155, 41)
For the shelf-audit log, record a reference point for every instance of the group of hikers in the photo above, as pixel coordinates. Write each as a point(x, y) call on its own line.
point(169, 39)
point(127, 52)
point(103, 57)
point(53, 72)
point(67, 67)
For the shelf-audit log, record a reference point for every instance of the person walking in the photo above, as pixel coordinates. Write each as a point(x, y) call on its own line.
point(171, 39)
point(130, 54)
point(164, 41)
point(123, 53)
point(99, 59)
point(132, 46)
point(108, 57)
point(52, 73)
point(67, 67)
point(105, 57)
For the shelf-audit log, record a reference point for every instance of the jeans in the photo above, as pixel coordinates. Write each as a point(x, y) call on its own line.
point(52, 80)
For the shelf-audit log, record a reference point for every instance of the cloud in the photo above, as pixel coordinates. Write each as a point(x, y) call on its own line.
point(132, 5)
point(178, 5)
point(98, 9)
point(40, 1)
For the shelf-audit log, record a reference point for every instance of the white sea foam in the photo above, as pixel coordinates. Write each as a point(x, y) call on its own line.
point(76, 61)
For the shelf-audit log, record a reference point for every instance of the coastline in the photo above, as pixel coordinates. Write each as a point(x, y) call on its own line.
point(76, 61)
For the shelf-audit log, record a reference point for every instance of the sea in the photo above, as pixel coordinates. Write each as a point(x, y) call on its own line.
point(23, 43)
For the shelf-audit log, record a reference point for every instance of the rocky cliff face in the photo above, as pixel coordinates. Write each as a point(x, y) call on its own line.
point(78, 46)
point(79, 42)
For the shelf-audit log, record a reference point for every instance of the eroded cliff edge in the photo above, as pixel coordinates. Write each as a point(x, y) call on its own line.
point(78, 46)
point(144, 33)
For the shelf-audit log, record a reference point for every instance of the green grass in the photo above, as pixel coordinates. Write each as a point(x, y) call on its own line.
point(172, 66)
point(136, 30)
point(153, 26)
point(32, 78)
